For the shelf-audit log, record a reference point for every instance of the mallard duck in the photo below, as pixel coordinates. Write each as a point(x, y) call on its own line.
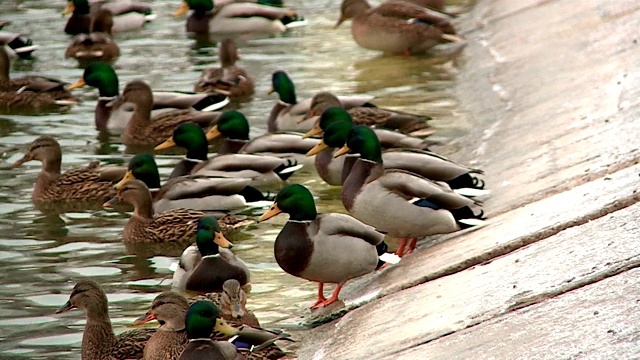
point(170, 308)
point(385, 199)
point(239, 18)
point(261, 169)
point(228, 79)
point(98, 340)
point(421, 162)
point(288, 111)
point(31, 94)
point(326, 248)
point(141, 130)
point(129, 15)
point(206, 270)
point(104, 78)
point(17, 45)
point(174, 227)
point(233, 126)
point(191, 191)
point(415, 125)
point(84, 186)
point(98, 45)
point(396, 27)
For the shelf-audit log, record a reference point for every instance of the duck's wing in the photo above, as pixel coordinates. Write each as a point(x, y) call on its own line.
point(335, 224)
point(402, 10)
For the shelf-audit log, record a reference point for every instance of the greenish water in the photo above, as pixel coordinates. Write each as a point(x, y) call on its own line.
point(42, 258)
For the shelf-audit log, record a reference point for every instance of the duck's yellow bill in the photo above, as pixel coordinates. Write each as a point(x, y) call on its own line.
point(213, 133)
point(167, 144)
point(224, 328)
point(69, 9)
point(222, 241)
point(273, 211)
point(77, 84)
point(128, 176)
point(23, 160)
point(318, 148)
point(317, 130)
point(271, 91)
point(343, 150)
point(184, 7)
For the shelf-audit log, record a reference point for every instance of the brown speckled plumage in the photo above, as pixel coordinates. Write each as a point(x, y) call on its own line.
point(98, 340)
point(98, 45)
point(91, 183)
point(228, 79)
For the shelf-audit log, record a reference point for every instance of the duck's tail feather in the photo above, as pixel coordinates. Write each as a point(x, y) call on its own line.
point(285, 171)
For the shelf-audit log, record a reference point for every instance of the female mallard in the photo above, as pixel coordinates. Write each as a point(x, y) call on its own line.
point(206, 270)
point(128, 15)
point(88, 185)
point(233, 126)
point(240, 18)
point(31, 94)
point(287, 113)
point(141, 130)
point(415, 125)
point(421, 162)
point(103, 77)
point(396, 27)
point(98, 45)
point(385, 199)
point(194, 192)
point(170, 308)
point(326, 248)
point(174, 228)
point(228, 79)
point(261, 169)
point(98, 340)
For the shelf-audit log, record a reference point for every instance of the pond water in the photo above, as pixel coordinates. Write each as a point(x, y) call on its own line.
point(43, 257)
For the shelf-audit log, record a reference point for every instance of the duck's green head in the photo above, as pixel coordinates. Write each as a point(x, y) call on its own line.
point(295, 200)
point(362, 140)
point(142, 167)
point(209, 236)
point(202, 318)
point(282, 84)
point(199, 6)
point(190, 137)
point(77, 7)
point(328, 117)
point(232, 125)
point(101, 76)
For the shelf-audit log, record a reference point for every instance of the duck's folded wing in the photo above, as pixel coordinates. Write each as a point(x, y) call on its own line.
point(412, 186)
point(424, 163)
point(237, 162)
point(245, 10)
point(279, 142)
point(406, 11)
point(393, 139)
point(186, 187)
point(344, 225)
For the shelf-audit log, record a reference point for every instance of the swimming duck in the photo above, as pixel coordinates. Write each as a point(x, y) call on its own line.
point(415, 125)
point(128, 15)
point(170, 308)
point(98, 45)
point(261, 169)
point(174, 228)
point(192, 191)
point(326, 248)
point(208, 269)
point(17, 45)
point(85, 186)
point(31, 94)
point(98, 340)
point(108, 117)
point(385, 199)
point(421, 162)
point(233, 126)
point(228, 79)
point(237, 18)
point(396, 27)
point(288, 111)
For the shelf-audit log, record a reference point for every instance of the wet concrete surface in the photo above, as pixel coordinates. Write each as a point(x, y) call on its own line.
point(554, 90)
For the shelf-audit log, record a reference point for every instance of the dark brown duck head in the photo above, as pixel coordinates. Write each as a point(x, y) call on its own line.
point(233, 299)
point(88, 296)
point(136, 193)
point(46, 150)
point(169, 309)
point(352, 8)
point(102, 21)
point(228, 52)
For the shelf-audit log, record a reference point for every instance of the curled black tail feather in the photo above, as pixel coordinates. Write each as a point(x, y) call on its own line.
point(466, 213)
point(251, 194)
point(466, 181)
point(286, 175)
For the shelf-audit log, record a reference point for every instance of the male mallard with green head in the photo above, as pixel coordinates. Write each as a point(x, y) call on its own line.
point(202, 318)
point(98, 340)
point(325, 248)
point(386, 199)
